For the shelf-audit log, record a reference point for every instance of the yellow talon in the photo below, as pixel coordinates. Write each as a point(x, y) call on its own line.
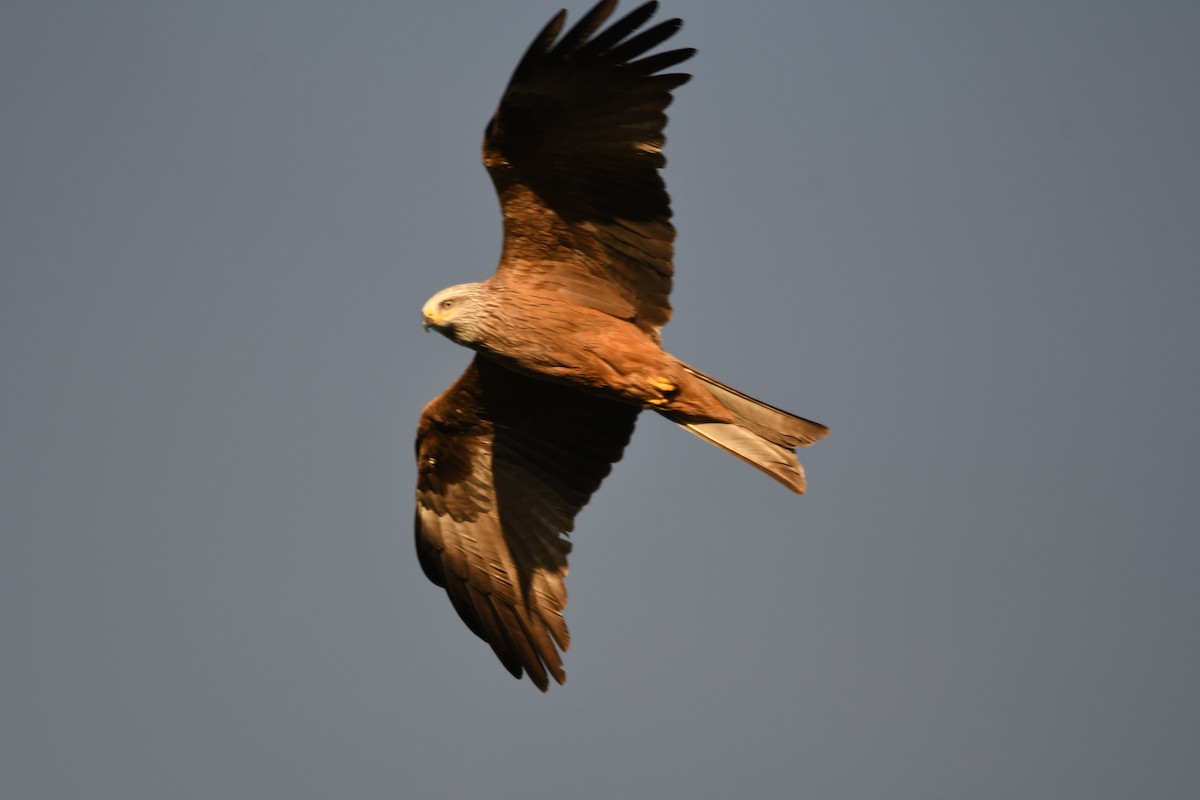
point(663, 385)
point(658, 401)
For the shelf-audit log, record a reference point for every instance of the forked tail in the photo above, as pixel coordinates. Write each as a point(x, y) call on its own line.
point(763, 436)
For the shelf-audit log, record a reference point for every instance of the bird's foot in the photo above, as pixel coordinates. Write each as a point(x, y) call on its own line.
point(666, 387)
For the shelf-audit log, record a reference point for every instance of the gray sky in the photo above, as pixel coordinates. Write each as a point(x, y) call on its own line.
point(964, 235)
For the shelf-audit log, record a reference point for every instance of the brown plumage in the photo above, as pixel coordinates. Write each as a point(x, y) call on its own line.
point(567, 339)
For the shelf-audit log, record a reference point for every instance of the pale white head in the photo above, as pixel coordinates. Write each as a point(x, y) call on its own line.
point(455, 312)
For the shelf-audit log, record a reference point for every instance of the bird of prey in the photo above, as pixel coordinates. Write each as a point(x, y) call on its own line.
point(566, 337)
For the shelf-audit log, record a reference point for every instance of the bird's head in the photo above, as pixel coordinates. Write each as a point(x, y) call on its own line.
point(453, 312)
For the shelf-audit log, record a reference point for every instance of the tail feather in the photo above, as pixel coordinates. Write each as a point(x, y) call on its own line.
point(777, 461)
point(763, 436)
point(773, 424)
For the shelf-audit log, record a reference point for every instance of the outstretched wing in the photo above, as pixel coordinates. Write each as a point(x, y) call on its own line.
point(574, 151)
point(504, 464)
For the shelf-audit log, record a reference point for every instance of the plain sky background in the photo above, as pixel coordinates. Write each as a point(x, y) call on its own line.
point(964, 235)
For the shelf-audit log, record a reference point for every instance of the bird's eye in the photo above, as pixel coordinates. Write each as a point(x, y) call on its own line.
point(447, 303)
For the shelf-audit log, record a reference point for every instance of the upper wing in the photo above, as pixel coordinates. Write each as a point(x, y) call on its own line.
point(504, 464)
point(574, 151)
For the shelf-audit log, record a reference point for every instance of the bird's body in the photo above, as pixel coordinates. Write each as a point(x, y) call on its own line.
point(540, 335)
point(567, 336)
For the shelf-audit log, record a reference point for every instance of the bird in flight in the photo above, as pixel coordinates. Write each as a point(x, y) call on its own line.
point(566, 337)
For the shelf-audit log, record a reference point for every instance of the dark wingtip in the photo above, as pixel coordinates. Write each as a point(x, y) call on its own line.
point(541, 44)
point(586, 26)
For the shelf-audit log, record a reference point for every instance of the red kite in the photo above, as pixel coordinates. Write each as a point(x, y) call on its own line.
point(566, 335)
